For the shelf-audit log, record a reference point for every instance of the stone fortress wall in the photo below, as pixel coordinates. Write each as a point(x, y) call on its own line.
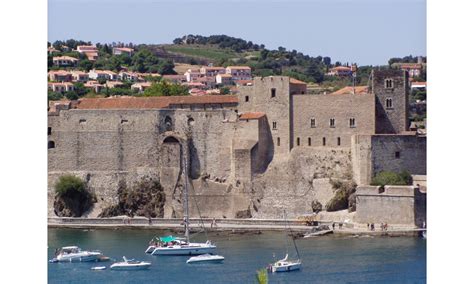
point(247, 155)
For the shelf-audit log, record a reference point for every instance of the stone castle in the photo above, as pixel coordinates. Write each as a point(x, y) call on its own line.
point(271, 147)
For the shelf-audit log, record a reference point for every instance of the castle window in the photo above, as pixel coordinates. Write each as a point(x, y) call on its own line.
point(51, 144)
point(309, 141)
point(338, 141)
point(278, 141)
point(82, 120)
point(124, 121)
point(388, 83)
point(324, 141)
point(246, 98)
point(273, 92)
point(49, 130)
point(274, 125)
point(388, 103)
point(332, 122)
point(313, 123)
point(397, 155)
point(297, 141)
point(352, 122)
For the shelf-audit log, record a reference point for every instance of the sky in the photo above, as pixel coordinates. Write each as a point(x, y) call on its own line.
point(366, 32)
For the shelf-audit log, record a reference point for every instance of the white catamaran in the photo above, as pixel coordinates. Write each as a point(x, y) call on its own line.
point(285, 265)
point(181, 246)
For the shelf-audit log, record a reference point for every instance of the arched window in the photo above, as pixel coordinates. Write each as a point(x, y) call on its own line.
point(332, 122)
point(313, 122)
point(168, 123)
point(388, 83)
point(51, 145)
point(352, 122)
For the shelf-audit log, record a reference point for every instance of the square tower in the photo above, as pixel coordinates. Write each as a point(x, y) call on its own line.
point(391, 100)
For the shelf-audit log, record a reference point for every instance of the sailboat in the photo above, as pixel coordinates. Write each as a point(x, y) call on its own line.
point(286, 265)
point(181, 246)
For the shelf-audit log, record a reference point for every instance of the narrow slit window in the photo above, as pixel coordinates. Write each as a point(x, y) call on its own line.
point(246, 98)
point(388, 103)
point(388, 83)
point(309, 141)
point(338, 141)
point(273, 92)
point(278, 141)
point(49, 130)
point(397, 155)
point(332, 122)
point(297, 141)
point(324, 141)
point(313, 123)
point(352, 122)
point(274, 125)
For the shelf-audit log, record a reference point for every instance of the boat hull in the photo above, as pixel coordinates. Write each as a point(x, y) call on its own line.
point(286, 268)
point(141, 266)
point(80, 258)
point(188, 250)
point(213, 258)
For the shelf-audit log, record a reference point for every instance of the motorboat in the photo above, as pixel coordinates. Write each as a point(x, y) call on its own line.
point(98, 268)
point(130, 264)
point(76, 254)
point(205, 258)
point(180, 246)
point(284, 265)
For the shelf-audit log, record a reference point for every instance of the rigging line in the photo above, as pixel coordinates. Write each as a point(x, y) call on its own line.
point(291, 233)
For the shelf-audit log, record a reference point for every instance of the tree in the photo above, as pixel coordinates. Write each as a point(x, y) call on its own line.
point(392, 178)
point(69, 185)
point(71, 95)
point(85, 65)
point(327, 61)
point(54, 96)
point(315, 73)
point(164, 88)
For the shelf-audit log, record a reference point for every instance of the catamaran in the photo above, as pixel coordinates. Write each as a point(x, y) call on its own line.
point(75, 254)
point(180, 246)
point(285, 265)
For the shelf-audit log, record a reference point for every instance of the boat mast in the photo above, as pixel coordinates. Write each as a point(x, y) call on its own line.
point(292, 238)
point(186, 209)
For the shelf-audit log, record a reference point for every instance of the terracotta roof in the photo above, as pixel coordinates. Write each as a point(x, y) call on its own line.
point(294, 81)
point(86, 47)
point(224, 75)
point(124, 49)
point(65, 58)
point(59, 72)
point(418, 83)
point(251, 115)
point(342, 68)
point(359, 90)
point(411, 66)
point(239, 67)
point(152, 102)
point(212, 68)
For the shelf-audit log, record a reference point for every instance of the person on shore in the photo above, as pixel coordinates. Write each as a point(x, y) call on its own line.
point(368, 226)
point(333, 226)
point(372, 226)
point(213, 223)
point(149, 220)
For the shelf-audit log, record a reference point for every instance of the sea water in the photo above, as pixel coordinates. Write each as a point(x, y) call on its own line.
point(326, 259)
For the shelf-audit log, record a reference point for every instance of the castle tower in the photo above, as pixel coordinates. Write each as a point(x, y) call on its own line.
point(391, 106)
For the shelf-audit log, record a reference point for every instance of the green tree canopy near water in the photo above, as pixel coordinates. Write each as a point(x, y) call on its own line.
point(164, 88)
point(392, 178)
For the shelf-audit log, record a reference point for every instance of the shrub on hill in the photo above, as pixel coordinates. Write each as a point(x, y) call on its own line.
point(391, 178)
point(72, 197)
point(146, 198)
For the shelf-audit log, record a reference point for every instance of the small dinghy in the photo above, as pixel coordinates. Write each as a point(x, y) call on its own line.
point(98, 268)
point(205, 258)
point(130, 264)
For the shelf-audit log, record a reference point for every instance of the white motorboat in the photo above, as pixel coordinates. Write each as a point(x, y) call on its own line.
point(205, 258)
point(98, 268)
point(75, 254)
point(180, 246)
point(130, 264)
point(284, 265)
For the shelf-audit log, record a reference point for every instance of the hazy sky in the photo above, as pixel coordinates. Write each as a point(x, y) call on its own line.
point(361, 31)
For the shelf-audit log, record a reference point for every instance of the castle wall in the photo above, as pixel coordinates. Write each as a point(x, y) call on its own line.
point(105, 146)
point(341, 108)
point(393, 118)
point(277, 108)
point(372, 154)
point(396, 205)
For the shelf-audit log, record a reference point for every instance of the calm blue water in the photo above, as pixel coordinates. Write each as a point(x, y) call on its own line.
point(327, 259)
